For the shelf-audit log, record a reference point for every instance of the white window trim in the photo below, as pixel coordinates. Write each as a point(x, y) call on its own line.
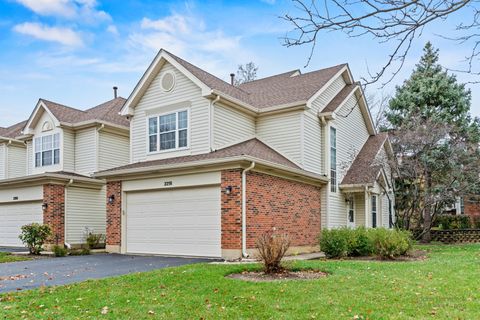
point(336, 158)
point(158, 115)
point(60, 148)
point(374, 196)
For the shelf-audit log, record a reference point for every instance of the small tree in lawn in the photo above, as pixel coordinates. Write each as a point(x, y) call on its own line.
point(272, 248)
point(435, 141)
point(34, 236)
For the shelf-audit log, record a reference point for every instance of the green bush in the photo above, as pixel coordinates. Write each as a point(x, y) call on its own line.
point(386, 243)
point(389, 244)
point(360, 244)
point(94, 240)
point(335, 242)
point(476, 222)
point(59, 251)
point(34, 236)
point(451, 222)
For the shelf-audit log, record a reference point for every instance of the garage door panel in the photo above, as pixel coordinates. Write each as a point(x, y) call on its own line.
point(176, 222)
point(13, 216)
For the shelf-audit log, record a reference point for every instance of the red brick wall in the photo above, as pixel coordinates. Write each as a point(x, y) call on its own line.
point(272, 202)
point(114, 213)
point(232, 209)
point(54, 214)
point(472, 205)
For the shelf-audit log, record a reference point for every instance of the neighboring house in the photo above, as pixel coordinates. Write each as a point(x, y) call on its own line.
point(46, 165)
point(215, 165)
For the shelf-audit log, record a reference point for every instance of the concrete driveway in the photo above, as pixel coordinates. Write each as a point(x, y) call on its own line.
point(32, 274)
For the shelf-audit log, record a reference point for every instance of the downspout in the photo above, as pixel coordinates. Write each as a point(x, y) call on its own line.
point(212, 121)
point(68, 245)
point(244, 209)
point(326, 163)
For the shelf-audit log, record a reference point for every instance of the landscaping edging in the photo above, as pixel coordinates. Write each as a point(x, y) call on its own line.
point(258, 276)
point(454, 235)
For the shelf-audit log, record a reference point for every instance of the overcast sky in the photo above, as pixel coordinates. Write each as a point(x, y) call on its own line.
point(74, 51)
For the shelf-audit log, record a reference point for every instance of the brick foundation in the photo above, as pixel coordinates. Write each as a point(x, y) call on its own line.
point(54, 214)
point(114, 214)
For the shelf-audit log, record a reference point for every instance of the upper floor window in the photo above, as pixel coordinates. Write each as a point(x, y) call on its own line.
point(168, 132)
point(333, 159)
point(47, 150)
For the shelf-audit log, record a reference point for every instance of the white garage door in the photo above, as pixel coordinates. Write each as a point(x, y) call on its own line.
point(174, 222)
point(13, 216)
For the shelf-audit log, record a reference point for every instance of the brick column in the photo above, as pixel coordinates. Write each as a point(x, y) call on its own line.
point(232, 210)
point(54, 214)
point(114, 216)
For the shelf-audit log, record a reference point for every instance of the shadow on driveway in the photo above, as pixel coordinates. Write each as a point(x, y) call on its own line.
point(31, 274)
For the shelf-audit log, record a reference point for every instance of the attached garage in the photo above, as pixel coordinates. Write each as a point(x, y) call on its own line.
point(183, 222)
point(18, 207)
point(13, 216)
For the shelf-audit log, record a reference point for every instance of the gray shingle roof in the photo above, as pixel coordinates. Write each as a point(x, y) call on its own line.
point(252, 147)
point(338, 99)
point(12, 131)
point(276, 90)
point(364, 169)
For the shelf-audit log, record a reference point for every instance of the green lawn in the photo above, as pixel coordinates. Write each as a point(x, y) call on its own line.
point(7, 257)
point(445, 286)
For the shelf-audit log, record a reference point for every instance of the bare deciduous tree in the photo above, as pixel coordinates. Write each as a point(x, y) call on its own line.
point(389, 21)
point(246, 73)
point(378, 104)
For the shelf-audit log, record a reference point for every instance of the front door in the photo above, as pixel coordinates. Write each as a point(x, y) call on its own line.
point(351, 213)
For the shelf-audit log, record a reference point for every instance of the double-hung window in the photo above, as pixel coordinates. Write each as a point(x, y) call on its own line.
point(47, 150)
point(333, 159)
point(168, 132)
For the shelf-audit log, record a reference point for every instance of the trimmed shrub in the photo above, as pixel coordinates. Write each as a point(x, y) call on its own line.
point(335, 243)
point(451, 222)
point(389, 244)
point(94, 240)
point(34, 236)
point(475, 222)
point(360, 244)
point(272, 248)
point(59, 251)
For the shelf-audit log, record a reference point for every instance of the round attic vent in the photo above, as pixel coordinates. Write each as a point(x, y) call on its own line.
point(168, 81)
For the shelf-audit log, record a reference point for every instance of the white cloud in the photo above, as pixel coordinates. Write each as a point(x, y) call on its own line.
point(82, 10)
point(112, 29)
point(189, 37)
point(64, 36)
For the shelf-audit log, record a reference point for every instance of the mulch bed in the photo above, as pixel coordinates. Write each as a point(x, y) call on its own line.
point(286, 275)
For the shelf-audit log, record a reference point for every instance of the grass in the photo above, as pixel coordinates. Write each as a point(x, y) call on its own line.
point(8, 257)
point(445, 286)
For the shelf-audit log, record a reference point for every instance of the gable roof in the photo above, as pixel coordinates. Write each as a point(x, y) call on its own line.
point(278, 90)
point(253, 148)
point(107, 111)
point(12, 131)
point(363, 169)
point(336, 102)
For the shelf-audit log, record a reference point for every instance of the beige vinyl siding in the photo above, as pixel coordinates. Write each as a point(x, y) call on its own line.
point(2, 161)
point(114, 150)
point(23, 194)
point(85, 151)
point(68, 154)
point(326, 96)
point(85, 208)
point(312, 144)
point(352, 134)
point(231, 126)
point(384, 204)
point(29, 157)
point(155, 100)
point(360, 210)
point(283, 132)
point(17, 161)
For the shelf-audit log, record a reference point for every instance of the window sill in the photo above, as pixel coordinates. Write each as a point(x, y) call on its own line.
point(166, 151)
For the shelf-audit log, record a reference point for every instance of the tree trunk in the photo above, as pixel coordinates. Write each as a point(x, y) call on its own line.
point(427, 212)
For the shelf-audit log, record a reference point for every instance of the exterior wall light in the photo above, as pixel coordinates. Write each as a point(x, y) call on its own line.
point(111, 199)
point(44, 206)
point(228, 190)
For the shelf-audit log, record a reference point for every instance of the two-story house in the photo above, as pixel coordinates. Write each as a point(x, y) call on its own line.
point(46, 167)
point(214, 165)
